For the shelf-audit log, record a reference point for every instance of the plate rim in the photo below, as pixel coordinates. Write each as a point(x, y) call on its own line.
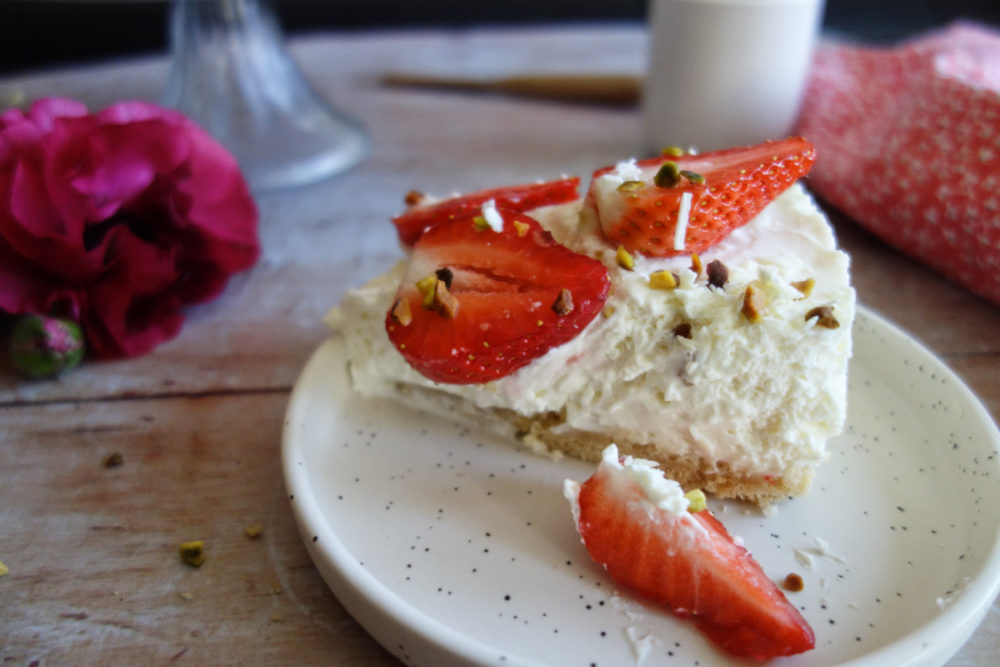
point(967, 610)
point(371, 602)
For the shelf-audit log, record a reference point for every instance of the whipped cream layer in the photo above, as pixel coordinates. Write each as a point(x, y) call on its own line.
point(753, 398)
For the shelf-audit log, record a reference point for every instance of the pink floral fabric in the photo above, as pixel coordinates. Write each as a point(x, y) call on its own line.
point(117, 220)
point(908, 145)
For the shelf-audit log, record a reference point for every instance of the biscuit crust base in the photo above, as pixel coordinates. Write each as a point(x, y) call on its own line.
point(539, 432)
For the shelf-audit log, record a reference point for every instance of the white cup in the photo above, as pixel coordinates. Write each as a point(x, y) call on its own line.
point(725, 73)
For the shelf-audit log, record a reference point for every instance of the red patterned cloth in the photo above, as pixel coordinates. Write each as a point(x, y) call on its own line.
point(908, 145)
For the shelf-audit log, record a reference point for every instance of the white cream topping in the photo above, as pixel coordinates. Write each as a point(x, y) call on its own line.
point(666, 494)
point(759, 398)
point(627, 170)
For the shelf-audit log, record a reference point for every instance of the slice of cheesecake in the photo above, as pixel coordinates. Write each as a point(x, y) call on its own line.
point(727, 366)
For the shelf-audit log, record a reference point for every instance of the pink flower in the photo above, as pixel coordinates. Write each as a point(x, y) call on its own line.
point(117, 220)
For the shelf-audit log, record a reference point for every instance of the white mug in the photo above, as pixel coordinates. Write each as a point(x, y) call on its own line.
point(725, 73)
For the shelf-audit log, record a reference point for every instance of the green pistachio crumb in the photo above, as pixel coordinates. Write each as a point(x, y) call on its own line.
point(624, 259)
point(692, 176)
point(631, 186)
point(662, 280)
point(192, 553)
point(426, 288)
point(696, 500)
point(669, 175)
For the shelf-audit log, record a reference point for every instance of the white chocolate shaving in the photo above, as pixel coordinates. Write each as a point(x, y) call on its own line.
point(492, 216)
point(682, 221)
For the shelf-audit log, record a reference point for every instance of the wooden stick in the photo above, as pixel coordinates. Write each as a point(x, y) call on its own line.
point(610, 89)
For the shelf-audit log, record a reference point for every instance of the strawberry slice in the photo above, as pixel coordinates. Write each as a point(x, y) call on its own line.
point(475, 304)
point(641, 205)
point(411, 224)
point(630, 521)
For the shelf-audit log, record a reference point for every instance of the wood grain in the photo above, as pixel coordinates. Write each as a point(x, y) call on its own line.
point(93, 551)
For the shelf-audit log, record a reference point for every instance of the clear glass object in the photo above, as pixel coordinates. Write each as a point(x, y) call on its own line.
point(232, 74)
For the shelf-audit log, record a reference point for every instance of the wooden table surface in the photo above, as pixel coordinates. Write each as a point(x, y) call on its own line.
point(94, 573)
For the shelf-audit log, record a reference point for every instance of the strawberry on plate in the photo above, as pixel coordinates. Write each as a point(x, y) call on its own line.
point(639, 527)
point(412, 223)
point(481, 299)
point(682, 203)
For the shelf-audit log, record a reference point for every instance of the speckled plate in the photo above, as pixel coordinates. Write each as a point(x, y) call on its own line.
point(453, 547)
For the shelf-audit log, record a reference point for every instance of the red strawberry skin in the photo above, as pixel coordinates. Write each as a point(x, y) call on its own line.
point(689, 563)
point(738, 184)
point(506, 285)
point(411, 224)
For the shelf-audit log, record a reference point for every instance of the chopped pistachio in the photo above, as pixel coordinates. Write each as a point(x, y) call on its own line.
point(624, 259)
point(824, 317)
point(718, 273)
point(693, 176)
point(683, 330)
point(696, 264)
point(668, 175)
point(521, 227)
point(426, 288)
point(479, 222)
point(253, 530)
point(445, 274)
point(805, 286)
point(3, 569)
point(401, 312)
point(674, 151)
point(662, 280)
point(607, 311)
point(444, 302)
point(192, 553)
point(696, 500)
point(754, 302)
point(563, 304)
point(413, 197)
point(631, 186)
point(793, 582)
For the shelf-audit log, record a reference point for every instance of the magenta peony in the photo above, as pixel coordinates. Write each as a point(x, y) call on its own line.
point(117, 220)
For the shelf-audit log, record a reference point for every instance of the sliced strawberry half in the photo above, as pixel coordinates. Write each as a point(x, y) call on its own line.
point(476, 304)
point(686, 561)
point(724, 190)
point(411, 224)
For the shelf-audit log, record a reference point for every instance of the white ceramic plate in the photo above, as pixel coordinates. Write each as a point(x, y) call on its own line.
point(452, 547)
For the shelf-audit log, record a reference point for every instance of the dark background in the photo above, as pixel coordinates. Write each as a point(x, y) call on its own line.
point(45, 33)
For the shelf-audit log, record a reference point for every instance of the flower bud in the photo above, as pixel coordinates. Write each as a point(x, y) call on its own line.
point(43, 347)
